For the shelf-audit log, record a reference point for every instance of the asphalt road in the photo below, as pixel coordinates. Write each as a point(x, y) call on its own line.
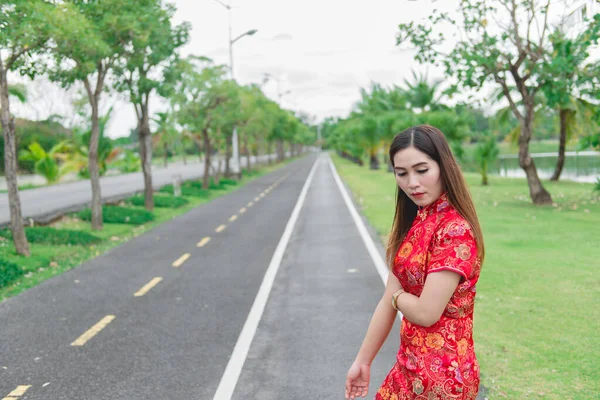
point(177, 339)
point(46, 203)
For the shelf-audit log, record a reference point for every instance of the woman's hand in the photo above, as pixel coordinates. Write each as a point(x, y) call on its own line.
point(357, 381)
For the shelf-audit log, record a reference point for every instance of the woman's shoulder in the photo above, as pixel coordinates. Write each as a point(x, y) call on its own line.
point(453, 224)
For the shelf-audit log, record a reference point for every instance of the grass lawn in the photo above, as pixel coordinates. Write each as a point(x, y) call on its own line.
point(47, 261)
point(537, 319)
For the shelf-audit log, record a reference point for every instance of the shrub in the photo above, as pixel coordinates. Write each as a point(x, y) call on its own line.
point(9, 272)
point(47, 235)
point(187, 190)
point(597, 185)
point(160, 201)
point(227, 181)
point(119, 215)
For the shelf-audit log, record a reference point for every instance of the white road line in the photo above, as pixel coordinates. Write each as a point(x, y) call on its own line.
point(240, 351)
point(371, 248)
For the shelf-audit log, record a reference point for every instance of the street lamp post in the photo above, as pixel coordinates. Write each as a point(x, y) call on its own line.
point(234, 137)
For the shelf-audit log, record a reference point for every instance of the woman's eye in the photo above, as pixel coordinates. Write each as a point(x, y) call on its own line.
point(401, 174)
point(423, 171)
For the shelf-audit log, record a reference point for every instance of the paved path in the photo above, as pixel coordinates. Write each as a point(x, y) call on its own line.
point(185, 337)
point(46, 203)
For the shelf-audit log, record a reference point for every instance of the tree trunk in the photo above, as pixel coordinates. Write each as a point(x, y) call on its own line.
point(10, 168)
point(227, 157)
point(269, 151)
point(183, 154)
point(373, 161)
point(166, 150)
point(206, 140)
point(484, 176)
point(538, 194)
point(145, 138)
point(280, 150)
point(93, 167)
point(560, 162)
point(248, 163)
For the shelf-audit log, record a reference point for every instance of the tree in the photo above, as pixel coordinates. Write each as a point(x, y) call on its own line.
point(486, 152)
point(203, 98)
point(485, 55)
point(46, 162)
point(562, 74)
point(165, 134)
point(144, 70)
point(423, 96)
point(27, 28)
point(90, 57)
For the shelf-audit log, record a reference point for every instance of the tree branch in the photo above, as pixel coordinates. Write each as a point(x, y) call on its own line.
point(506, 92)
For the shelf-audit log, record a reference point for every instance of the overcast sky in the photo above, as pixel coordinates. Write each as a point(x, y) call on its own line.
point(321, 52)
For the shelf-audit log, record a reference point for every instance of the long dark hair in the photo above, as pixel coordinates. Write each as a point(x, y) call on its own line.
point(432, 142)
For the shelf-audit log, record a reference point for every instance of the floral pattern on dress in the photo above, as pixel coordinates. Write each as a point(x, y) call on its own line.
point(437, 362)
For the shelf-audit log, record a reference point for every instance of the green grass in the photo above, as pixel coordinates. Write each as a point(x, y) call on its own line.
point(536, 318)
point(47, 260)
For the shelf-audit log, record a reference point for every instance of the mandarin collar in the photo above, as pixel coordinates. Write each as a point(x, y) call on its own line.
point(437, 206)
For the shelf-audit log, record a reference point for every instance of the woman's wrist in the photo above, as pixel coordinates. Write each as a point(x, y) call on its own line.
point(395, 298)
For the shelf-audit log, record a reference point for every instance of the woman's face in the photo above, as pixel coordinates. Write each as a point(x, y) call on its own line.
point(418, 176)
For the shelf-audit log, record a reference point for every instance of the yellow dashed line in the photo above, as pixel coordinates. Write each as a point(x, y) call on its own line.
point(256, 198)
point(232, 218)
point(18, 392)
point(243, 210)
point(81, 340)
point(181, 260)
point(262, 194)
point(203, 241)
point(250, 204)
point(220, 228)
point(146, 288)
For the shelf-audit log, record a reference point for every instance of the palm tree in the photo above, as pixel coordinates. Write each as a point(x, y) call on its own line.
point(165, 134)
point(46, 162)
point(423, 96)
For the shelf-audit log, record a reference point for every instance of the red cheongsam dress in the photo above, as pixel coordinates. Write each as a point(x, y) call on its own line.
point(437, 362)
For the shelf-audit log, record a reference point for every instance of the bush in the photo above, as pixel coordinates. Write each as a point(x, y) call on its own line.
point(227, 181)
point(119, 215)
point(47, 235)
point(187, 190)
point(597, 185)
point(160, 201)
point(9, 272)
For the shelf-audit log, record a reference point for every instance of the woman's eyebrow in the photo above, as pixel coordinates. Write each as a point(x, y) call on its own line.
point(416, 165)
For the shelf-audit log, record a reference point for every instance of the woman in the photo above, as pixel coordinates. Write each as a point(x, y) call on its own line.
point(435, 251)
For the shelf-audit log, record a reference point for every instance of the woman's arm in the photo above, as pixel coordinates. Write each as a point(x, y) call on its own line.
point(427, 309)
point(381, 323)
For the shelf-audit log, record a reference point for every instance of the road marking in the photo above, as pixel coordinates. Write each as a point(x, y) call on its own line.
point(371, 248)
point(203, 241)
point(256, 198)
point(146, 288)
point(240, 351)
point(181, 260)
point(232, 218)
point(243, 210)
point(262, 194)
point(250, 204)
point(93, 331)
point(18, 392)
point(220, 228)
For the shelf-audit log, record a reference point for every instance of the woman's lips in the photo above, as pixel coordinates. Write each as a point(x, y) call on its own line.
point(417, 195)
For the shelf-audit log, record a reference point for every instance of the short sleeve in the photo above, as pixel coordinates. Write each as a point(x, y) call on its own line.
point(454, 249)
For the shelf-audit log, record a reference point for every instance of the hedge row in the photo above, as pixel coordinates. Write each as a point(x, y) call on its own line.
point(119, 215)
point(47, 235)
point(160, 201)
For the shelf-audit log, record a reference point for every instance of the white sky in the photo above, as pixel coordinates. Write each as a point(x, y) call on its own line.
point(321, 51)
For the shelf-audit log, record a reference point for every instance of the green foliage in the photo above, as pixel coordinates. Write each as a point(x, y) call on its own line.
point(160, 201)
point(46, 163)
point(597, 185)
point(486, 152)
point(9, 272)
point(227, 181)
point(119, 215)
point(188, 190)
point(128, 161)
point(48, 235)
